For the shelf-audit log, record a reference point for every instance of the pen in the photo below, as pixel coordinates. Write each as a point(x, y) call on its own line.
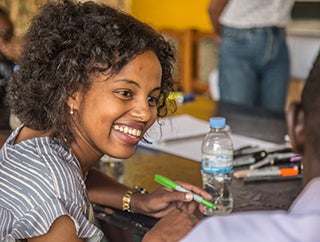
point(268, 171)
point(271, 178)
point(276, 159)
point(244, 150)
point(172, 185)
point(249, 159)
point(274, 172)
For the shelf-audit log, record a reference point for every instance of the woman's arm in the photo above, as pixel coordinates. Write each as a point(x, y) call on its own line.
point(103, 189)
point(63, 230)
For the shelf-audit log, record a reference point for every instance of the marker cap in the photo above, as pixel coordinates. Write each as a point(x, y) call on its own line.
point(165, 181)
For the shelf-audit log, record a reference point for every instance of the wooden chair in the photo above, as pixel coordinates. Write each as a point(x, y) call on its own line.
point(197, 54)
point(177, 39)
point(204, 59)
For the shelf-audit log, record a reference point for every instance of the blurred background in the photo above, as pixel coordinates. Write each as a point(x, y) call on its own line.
point(186, 23)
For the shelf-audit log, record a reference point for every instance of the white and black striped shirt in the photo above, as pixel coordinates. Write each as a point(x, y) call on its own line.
point(40, 180)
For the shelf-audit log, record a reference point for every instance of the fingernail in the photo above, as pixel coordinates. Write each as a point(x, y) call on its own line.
point(189, 196)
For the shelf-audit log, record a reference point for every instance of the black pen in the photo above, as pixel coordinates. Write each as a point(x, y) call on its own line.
point(271, 178)
point(277, 159)
point(249, 159)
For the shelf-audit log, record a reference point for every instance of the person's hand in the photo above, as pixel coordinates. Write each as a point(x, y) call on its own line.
point(172, 227)
point(10, 49)
point(163, 200)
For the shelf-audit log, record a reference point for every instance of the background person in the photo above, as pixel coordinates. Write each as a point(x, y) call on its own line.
point(7, 51)
point(254, 65)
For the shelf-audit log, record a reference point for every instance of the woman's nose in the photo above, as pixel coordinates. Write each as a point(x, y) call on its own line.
point(141, 111)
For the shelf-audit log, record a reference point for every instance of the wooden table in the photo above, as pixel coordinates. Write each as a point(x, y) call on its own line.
point(141, 167)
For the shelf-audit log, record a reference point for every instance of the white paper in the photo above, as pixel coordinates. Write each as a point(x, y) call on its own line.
point(177, 127)
point(182, 135)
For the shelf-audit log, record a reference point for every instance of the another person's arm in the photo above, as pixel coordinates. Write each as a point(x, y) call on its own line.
point(172, 227)
point(11, 50)
point(215, 9)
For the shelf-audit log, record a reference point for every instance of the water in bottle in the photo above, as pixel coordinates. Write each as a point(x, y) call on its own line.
point(216, 167)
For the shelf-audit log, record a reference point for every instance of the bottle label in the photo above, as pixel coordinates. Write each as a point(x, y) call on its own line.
point(216, 164)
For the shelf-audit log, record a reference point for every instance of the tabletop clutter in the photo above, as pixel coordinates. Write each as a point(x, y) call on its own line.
point(270, 164)
point(253, 159)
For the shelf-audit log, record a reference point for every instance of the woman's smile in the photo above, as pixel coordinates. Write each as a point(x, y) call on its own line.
point(128, 134)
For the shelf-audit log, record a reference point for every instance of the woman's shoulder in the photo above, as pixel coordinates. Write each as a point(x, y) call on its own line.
point(41, 181)
point(42, 166)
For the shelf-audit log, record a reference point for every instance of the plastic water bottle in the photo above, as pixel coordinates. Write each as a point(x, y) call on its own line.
point(216, 166)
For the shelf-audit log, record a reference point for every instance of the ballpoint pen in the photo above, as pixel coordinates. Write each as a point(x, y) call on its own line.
point(274, 172)
point(172, 185)
point(249, 159)
point(276, 159)
point(268, 171)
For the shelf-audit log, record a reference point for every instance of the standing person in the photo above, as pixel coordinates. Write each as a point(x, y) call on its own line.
point(302, 221)
point(91, 81)
point(6, 48)
point(254, 65)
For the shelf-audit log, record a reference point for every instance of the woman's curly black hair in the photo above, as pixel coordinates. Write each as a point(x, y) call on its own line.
point(66, 42)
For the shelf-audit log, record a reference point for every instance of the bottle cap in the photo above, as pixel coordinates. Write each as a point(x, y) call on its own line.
point(217, 122)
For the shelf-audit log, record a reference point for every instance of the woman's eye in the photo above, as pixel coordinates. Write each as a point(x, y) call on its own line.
point(153, 101)
point(125, 93)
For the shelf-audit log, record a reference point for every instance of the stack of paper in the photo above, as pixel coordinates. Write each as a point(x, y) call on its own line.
point(182, 136)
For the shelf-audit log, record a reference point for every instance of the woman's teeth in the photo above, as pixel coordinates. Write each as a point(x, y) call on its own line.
point(127, 130)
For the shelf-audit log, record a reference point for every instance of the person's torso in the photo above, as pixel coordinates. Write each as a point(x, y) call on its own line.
point(257, 13)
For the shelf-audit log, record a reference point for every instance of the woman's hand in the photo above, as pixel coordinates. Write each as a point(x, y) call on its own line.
point(172, 227)
point(164, 200)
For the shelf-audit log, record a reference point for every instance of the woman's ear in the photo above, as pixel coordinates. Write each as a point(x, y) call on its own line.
point(73, 102)
point(296, 127)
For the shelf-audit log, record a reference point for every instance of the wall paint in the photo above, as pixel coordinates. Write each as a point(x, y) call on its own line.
point(174, 14)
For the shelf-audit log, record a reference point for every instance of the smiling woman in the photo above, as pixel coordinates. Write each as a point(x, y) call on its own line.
point(91, 81)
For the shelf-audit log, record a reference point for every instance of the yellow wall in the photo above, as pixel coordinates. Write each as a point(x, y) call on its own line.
point(176, 14)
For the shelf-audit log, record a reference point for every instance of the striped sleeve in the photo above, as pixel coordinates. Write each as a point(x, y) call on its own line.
point(40, 181)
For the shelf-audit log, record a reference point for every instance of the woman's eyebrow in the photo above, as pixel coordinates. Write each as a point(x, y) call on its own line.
point(129, 82)
point(135, 83)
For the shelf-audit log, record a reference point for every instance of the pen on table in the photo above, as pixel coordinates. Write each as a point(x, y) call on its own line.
point(249, 159)
point(284, 148)
point(271, 178)
point(275, 172)
point(276, 159)
point(172, 185)
point(268, 171)
point(249, 150)
point(244, 150)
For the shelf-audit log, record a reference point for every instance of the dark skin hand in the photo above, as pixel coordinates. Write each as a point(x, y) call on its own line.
point(102, 189)
point(215, 9)
point(172, 227)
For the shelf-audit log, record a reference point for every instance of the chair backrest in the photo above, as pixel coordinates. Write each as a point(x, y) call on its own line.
point(197, 55)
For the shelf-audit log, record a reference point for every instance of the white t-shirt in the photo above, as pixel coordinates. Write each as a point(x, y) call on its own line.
point(300, 223)
point(256, 13)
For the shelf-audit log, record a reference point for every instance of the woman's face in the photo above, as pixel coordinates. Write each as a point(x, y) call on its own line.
point(114, 114)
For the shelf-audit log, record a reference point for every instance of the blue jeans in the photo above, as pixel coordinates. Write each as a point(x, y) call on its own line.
point(254, 67)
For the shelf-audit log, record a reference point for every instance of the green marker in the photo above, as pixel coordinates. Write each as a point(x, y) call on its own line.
point(172, 185)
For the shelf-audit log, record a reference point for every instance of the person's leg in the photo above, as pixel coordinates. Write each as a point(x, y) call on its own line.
point(275, 72)
point(237, 75)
